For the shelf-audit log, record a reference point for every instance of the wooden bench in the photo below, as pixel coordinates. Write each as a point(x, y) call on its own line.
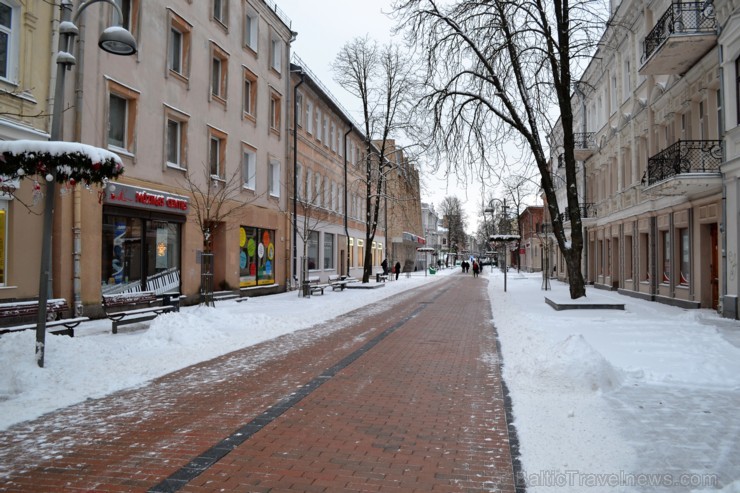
point(115, 306)
point(381, 277)
point(16, 316)
point(315, 286)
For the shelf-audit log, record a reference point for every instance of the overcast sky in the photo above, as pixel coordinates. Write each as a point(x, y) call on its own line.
point(322, 31)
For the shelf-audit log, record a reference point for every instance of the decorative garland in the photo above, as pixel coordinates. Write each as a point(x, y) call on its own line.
point(69, 162)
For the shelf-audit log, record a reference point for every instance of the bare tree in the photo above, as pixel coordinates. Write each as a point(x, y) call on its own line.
point(453, 218)
point(498, 74)
point(214, 201)
point(380, 77)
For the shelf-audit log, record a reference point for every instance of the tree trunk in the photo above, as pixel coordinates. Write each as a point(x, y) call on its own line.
point(576, 282)
point(367, 265)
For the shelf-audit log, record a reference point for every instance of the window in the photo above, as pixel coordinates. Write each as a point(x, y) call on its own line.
point(299, 183)
point(178, 51)
point(332, 138)
point(684, 256)
point(256, 256)
point(328, 251)
point(130, 11)
point(276, 53)
point(249, 107)
point(217, 153)
point(249, 167)
point(313, 250)
point(9, 44)
point(665, 240)
point(325, 131)
point(251, 30)
point(3, 241)
point(309, 117)
point(219, 72)
point(273, 185)
point(176, 138)
point(122, 110)
point(275, 112)
point(221, 11)
point(318, 124)
point(299, 109)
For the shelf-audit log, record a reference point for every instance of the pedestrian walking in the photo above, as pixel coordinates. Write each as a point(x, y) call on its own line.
point(384, 265)
point(476, 268)
point(397, 268)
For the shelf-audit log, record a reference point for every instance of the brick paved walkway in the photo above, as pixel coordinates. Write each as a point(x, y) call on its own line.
point(403, 397)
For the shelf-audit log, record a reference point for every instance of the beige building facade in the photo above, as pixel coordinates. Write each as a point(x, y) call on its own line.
point(202, 105)
point(650, 135)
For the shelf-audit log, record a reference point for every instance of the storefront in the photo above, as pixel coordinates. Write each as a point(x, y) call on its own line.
point(141, 240)
point(256, 256)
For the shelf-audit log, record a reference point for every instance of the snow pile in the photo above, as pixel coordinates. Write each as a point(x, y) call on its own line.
point(574, 365)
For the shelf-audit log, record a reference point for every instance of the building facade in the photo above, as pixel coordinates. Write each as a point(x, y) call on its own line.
point(26, 34)
point(329, 183)
point(200, 109)
point(532, 246)
point(648, 137)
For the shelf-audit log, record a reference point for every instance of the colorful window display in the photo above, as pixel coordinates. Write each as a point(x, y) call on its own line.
point(256, 256)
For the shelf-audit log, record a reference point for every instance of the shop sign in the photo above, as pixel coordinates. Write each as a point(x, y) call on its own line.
point(144, 198)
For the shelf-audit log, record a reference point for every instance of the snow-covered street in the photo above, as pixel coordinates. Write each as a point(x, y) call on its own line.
point(643, 399)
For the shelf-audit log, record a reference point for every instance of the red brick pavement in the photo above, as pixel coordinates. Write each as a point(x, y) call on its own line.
point(421, 411)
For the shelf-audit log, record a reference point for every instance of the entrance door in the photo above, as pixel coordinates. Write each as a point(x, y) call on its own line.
point(713, 267)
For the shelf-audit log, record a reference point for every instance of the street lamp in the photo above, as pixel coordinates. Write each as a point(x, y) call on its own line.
point(115, 40)
point(501, 238)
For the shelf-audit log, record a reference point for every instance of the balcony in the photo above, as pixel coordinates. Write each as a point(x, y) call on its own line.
point(684, 34)
point(688, 167)
point(585, 145)
point(588, 211)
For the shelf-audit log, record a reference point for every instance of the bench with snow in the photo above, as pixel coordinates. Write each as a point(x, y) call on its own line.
point(22, 315)
point(338, 282)
point(315, 286)
point(129, 308)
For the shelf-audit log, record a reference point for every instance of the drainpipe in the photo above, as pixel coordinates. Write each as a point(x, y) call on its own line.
point(723, 224)
point(77, 192)
point(295, 178)
point(582, 97)
point(346, 228)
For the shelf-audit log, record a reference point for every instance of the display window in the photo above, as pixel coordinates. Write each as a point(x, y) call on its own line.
point(256, 256)
point(140, 254)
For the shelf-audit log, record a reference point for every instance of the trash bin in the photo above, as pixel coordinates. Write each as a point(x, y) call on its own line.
point(432, 270)
point(377, 277)
point(173, 300)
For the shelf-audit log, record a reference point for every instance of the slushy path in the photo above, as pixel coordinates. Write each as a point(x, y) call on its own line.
point(404, 395)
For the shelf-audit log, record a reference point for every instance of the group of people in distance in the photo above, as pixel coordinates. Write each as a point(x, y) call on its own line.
point(396, 268)
point(466, 267)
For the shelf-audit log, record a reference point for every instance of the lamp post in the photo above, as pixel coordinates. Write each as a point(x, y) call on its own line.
point(115, 40)
point(501, 238)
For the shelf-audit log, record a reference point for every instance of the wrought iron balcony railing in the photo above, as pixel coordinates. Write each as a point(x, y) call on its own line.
point(588, 209)
point(685, 156)
point(680, 18)
point(585, 140)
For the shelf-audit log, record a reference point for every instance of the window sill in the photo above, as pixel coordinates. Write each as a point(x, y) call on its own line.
point(177, 167)
point(121, 150)
point(179, 76)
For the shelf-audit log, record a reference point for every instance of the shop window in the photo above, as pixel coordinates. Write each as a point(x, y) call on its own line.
point(217, 153)
point(328, 251)
point(249, 167)
point(122, 111)
point(178, 50)
point(273, 170)
point(352, 252)
point(139, 254)
point(312, 250)
point(9, 40)
point(644, 257)
point(219, 73)
point(251, 29)
point(3, 241)
point(665, 244)
point(249, 106)
point(628, 258)
point(176, 138)
point(684, 255)
point(256, 256)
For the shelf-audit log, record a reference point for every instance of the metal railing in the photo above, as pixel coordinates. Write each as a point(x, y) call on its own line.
point(588, 209)
point(680, 18)
point(585, 140)
point(685, 156)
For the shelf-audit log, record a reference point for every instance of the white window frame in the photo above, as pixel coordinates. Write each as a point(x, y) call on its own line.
point(251, 30)
point(249, 168)
point(309, 117)
point(180, 131)
point(13, 34)
point(276, 54)
point(273, 182)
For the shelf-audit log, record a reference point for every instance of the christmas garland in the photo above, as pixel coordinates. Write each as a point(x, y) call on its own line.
point(67, 162)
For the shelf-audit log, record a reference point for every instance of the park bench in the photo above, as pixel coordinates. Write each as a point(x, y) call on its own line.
point(315, 286)
point(129, 308)
point(338, 283)
point(16, 316)
point(380, 277)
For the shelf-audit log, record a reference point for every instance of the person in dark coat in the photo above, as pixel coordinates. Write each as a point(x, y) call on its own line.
point(397, 268)
point(384, 265)
point(476, 268)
